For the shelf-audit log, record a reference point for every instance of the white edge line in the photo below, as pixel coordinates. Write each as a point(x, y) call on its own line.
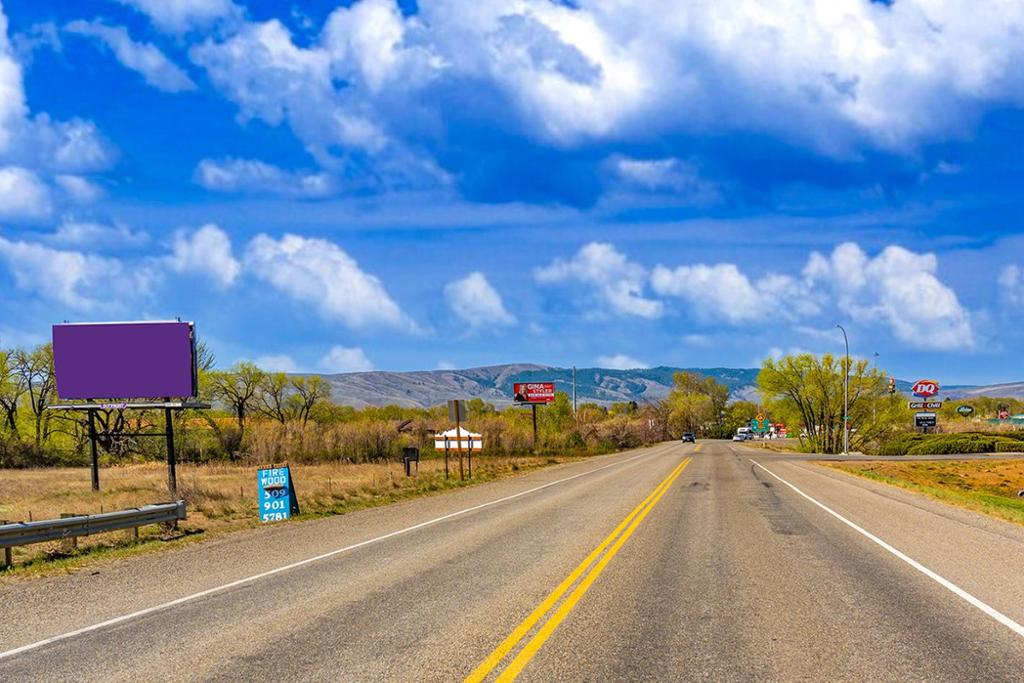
point(262, 575)
point(945, 583)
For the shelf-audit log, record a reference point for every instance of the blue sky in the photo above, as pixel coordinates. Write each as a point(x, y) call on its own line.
point(334, 186)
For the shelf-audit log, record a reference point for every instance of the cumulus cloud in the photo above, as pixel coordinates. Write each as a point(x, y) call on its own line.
point(617, 282)
point(679, 177)
point(898, 289)
point(345, 359)
point(319, 273)
point(144, 58)
point(254, 176)
point(206, 251)
point(179, 16)
point(22, 194)
point(82, 282)
point(474, 301)
point(620, 361)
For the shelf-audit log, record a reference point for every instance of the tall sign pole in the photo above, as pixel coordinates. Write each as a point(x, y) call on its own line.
point(574, 390)
point(846, 394)
point(458, 439)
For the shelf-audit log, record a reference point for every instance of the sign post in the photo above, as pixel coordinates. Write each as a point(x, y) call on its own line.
point(457, 413)
point(534, 394)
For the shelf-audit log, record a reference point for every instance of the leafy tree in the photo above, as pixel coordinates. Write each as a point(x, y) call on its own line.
point(11, 390)
point(34, 370)
point(695, 404)
point(807, 391)
point(237, 389)
point(309, 392)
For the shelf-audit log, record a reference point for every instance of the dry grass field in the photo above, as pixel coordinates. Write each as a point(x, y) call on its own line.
point(220, 498)
point(989, 486)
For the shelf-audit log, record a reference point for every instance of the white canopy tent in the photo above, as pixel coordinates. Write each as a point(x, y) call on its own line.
point(463, 441)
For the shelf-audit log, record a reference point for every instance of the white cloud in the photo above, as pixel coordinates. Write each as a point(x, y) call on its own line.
point(143, 58)
point(345, 359)
point(22, 194)
point(897, 288)
point(91, 235)
point(206, 251)
point(79, 189)
point(277, 363)
point(1011, 285)
point(617, 282)
point(179, 16)
point(252, 175)
point(477, 303)
point(620, 361)
point(321, 274)
point(681, 178)
point(83, 282)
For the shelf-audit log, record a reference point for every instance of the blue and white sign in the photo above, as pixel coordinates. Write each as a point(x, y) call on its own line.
point(277, 495)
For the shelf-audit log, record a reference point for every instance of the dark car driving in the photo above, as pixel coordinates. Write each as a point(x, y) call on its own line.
point(688, 436)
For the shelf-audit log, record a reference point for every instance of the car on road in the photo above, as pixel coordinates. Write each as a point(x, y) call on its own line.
point(689, 437)
point(739, 437)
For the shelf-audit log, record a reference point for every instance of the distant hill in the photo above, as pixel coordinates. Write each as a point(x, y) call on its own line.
point(594, 385)
point(494, 384)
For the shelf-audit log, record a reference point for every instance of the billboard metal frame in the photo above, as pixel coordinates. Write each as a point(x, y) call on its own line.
point(91, 406)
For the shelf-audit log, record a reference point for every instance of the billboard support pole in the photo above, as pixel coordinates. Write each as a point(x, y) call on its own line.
point(92, 449)
point(446, 457)
point(172, 476)
point(458, 440)
point(533, 406)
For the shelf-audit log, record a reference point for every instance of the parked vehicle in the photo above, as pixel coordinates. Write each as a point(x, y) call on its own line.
point(689, 437)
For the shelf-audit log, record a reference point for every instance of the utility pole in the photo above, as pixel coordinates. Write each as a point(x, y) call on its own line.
point(574, 390)
point(846, 394)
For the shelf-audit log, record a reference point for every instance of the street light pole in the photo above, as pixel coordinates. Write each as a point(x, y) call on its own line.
point(846, 394)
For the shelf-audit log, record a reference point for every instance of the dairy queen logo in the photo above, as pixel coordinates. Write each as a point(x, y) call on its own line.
point(925, 388)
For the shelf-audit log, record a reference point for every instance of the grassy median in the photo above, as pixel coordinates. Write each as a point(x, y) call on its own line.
point(221, 498)
point(987, 486)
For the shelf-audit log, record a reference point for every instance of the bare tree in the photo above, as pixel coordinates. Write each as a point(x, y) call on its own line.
point(11, 391)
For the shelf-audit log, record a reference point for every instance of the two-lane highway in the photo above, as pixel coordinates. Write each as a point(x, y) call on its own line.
point(674, 562)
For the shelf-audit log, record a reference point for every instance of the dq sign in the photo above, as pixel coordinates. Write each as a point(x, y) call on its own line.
point(925, 388)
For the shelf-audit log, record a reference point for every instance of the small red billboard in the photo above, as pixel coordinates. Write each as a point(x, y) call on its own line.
point(925, 388)
point(533, 392)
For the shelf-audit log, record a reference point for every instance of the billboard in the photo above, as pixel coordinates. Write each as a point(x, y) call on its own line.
point(533, 392)
point(124, 360)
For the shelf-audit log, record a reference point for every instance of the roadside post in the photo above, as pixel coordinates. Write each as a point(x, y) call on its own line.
point(456, 414)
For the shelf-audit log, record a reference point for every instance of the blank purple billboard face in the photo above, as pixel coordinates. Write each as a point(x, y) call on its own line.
point(124, 360)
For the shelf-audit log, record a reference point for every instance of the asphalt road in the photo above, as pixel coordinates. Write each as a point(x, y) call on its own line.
point(677, 562)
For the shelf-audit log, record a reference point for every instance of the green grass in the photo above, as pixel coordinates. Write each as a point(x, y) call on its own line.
point(988, 487)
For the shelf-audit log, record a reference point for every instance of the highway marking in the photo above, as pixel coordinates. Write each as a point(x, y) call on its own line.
point(294, 565)
point(619, 536)
point(945, 583)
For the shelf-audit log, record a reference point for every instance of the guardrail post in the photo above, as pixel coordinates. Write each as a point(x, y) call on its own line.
point(8, 551)
point(71, 543)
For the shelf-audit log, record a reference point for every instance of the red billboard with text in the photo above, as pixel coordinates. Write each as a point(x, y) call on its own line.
point(533, 392)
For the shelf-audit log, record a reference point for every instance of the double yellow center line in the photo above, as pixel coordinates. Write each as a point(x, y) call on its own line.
point(612, 544)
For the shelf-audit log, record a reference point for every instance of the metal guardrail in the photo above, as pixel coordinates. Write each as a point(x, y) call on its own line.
point(25, 533)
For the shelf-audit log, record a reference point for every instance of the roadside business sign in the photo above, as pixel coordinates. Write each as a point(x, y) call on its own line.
point(925, 388)
point(276, 494)
point(965, 410)
point(533, 392)
point(924, 405)
point(456, 410)
point(924, 420)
